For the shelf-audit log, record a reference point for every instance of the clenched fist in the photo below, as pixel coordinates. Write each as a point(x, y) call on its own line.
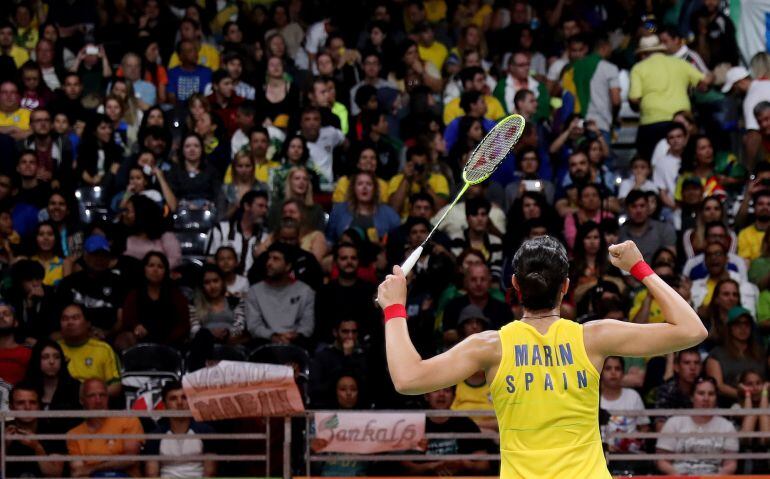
point(625, 255)
point(393, 289)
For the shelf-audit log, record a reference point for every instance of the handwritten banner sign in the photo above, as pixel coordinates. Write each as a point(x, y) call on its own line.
point(368, 432)
point(234, 389)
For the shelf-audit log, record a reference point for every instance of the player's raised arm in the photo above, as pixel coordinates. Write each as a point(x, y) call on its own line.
point(409, 372)
point(682, 329)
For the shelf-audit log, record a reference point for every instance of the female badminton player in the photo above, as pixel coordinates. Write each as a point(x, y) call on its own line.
point(543, 371)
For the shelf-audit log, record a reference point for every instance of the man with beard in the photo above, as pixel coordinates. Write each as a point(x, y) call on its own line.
point(347, 296)
point(68, 99)
point(750, 238)
point(279, 309)
point(580, 173)
point(54, 152)
point(13, 356)
point(649, 234)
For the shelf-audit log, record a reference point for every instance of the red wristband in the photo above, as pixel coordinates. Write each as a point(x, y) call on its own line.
point(394, 311)
point(641, 270)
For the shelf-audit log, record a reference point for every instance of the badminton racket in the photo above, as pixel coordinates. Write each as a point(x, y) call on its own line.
point(482, 162)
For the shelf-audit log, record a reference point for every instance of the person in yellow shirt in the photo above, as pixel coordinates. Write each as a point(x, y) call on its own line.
point(750, 237)
point(543, 371)
point(87, 357)
point(430, 50)
point(8, 45)
point(259, 143)
point(208, 56)
point(14, 120)
point(367, 161)
point(473, 79)
point(416, 178)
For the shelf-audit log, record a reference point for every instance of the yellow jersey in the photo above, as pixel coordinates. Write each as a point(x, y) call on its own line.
point(546, 397)
point(93, 359)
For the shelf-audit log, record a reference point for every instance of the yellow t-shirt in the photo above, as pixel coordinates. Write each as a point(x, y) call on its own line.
point(341, 190)
point(435, 54)
point(20, 55)
point(656, 314)
point(437, 182)
point(481, 14)
point(208, 56)
point(261, 172)
point(546, 397)
point(19, 118)
point(94, 359)
point(453, 110)
point(662, 83)
point(750, 242)
point(54, 273)
point(473, 398)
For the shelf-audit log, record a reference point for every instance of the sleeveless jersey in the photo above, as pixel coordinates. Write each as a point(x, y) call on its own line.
point(546, 398)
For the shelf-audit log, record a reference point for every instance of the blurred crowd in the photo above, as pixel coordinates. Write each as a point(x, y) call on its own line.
point(222, 179)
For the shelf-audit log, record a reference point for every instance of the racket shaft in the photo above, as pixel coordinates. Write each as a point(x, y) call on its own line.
point(411, 261)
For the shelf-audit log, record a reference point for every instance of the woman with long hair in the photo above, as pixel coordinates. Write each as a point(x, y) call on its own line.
point(48, 252)
point(156, 311)
point(310, 239)
point(530, 205)
point(59, 211)
point(153, 70)
point(694, 239)
point(193, 179)
point(367, 161)
point(48, 371)
point(589, 264)
point(471, 133)
point(149, 232)
point(99, 157)
point(589, 208)
point(243, 182)
point(294, 153)
point(221, 316)
point(362, 209)
point(125, 134)
point(298, 186)
point(727, 295)
point(701, 165)
point(753, 394)
point(411, 71)
point(279, 99)
point(738, 351)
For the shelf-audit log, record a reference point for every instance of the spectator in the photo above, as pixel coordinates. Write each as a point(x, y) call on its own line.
point(193, 180)
point(374, 130)
point(216, 313)
point(14, 358)
point(519, 77)
point(640, 178)
point(87, 357)
point(477, 283)
point(224, 100)
point(371, 62)
point(246, 230)
point(321, 141)
point(411, 71)
point(589, 205)
point(716, 264)
point(614, 397)
point(97, 288)
point(93, 67)
point(294, 154)
point(367, 161)
point(44, 57)
point(667, 163)
point(156, 311)
point(649, 234)
point(657, 104)
point(442, 399)
point(676, 46)
point(280, 97)
point(279, 309)
point(33, 302)
point(715, 36)
point(362, 209)
point(31, 190)
point(310, 239)
point(175, 399)
point(148, 234)
point(753, 388)
point(188, 77)
point(48, 374)
point(710, 210)
point(346, 296)
point(48, 253)
point(750, 237)
point(14, 120)
point(99, 157)
point(25, 397)
point(528, 179)
point(677, 392)
point(258, 146)
point(416, 178)
point(299, 187)
point(207, 54)
point(131, 70)
point(704, 397)
point(93, 396)
point(479, 236)
point(346, 354)
point(738, 351)
point(473, 79)
point(716, 231)
point(233, 64)
point(226, 260)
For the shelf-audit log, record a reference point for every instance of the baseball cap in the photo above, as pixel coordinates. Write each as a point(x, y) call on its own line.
point(737, 312)
point(96, 243)
point(472, 312)
point(734, 75)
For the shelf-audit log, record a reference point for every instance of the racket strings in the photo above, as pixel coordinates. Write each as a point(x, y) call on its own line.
point(493, 149)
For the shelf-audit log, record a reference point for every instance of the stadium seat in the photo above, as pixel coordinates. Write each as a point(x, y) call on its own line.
point(152, 358)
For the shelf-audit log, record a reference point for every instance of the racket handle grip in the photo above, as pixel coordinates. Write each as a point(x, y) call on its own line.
point(411, 261)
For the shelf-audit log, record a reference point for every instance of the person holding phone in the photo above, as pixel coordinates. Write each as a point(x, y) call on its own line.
point(528, 179)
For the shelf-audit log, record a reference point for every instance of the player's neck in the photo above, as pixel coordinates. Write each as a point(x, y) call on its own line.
point(541, 315)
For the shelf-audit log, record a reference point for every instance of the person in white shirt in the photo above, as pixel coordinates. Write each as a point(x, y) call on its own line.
point(716, 264)
point(614, 397)
point(321, 142)
point(639, 178)
point(704, 397)
point(666, 163)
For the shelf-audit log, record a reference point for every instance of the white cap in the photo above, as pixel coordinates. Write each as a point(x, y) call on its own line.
point(734, 75)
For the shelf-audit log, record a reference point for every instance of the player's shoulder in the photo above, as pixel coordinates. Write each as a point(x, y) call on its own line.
point(486, 345)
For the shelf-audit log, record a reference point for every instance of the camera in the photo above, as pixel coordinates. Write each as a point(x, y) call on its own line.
point(92, 50)
point(419, 167)
point(532, 185)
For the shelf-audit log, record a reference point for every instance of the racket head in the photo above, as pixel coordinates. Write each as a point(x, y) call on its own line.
point(493, 148)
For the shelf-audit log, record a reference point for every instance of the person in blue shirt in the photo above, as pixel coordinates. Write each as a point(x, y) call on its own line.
point(189, 77)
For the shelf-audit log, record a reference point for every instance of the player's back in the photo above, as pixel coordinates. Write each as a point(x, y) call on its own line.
point(546, 397)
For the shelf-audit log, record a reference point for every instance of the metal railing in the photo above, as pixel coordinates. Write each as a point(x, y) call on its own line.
point(308, 457)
